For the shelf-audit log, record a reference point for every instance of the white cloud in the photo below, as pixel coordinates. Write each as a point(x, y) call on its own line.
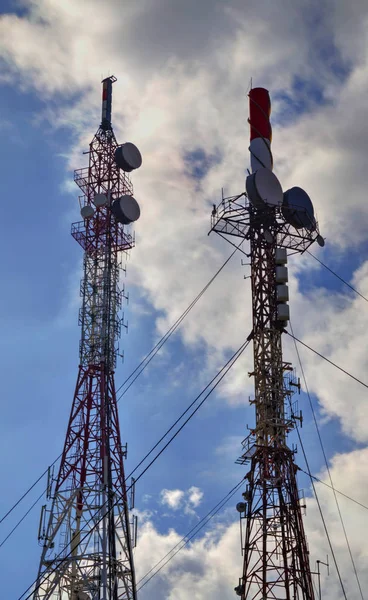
point(335, 325)
point(207, 565)
point(349, 475)
point(172, 498)
point(179, 499)
point(195, 496)
point(212, 564)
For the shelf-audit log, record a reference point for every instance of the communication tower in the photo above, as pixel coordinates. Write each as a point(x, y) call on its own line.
point(276, 558)
point(86, 535)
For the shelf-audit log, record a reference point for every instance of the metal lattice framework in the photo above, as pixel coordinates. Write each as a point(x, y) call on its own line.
point(87, 539)
point(276, 558)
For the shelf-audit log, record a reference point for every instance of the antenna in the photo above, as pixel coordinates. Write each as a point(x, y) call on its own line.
point(107, 101)
point(326, 564)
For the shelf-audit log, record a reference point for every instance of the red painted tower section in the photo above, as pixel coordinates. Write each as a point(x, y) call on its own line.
point(87, 542)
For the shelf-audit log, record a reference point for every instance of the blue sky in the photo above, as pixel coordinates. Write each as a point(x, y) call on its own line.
point(180, 97)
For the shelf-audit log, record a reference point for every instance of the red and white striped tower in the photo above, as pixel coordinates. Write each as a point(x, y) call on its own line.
point(86, 536)
point(276, 558)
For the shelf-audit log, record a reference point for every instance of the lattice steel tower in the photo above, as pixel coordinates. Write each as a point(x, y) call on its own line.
point(87, 539)
point(274, 547)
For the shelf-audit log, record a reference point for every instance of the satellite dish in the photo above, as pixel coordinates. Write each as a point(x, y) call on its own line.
point(128, 157)
point(264, 189)
point(100, 200)
point(87, 212)
point(320, 241)
point(126, 209)
point(297, 209)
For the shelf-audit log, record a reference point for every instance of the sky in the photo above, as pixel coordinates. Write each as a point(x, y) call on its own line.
point(184, 69)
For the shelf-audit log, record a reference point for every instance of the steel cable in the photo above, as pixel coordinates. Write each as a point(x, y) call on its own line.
point(336, 490)
point(22, 519)
point(29, 490)
point(338, 276)
point(326, 359)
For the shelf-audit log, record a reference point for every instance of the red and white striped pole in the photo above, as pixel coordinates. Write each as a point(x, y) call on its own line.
point(260, 129)
point(263, 187)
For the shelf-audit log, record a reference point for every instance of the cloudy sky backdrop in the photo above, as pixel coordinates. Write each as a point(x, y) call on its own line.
point(184, 68)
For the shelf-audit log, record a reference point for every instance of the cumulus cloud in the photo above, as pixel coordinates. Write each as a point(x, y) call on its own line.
point(172, 498)
point(207, 565)
point(195, 496)
point(213, 562)
point(349, 475)
point(335, 325)
point(179, 499)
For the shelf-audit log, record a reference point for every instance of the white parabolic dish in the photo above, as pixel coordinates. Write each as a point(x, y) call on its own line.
point(263, 187)
point(268, 187)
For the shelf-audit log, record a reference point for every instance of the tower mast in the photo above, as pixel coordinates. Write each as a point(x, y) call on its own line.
point(276, 558)
point(86, 537)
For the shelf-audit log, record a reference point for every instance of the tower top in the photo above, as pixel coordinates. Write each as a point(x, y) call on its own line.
point(107, 101)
